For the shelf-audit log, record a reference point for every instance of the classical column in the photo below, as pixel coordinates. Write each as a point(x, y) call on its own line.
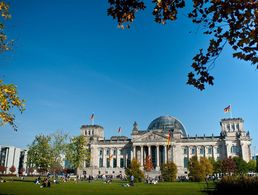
point(131, 151)
point(227, 150)
point(104, 158)
point(157, 148)
point(125, 159)
point(149, 150)
point(134, 152)
point(111, 158)
point(141, 158)
point(165, 153)
point(213, 152)
point(118, 157)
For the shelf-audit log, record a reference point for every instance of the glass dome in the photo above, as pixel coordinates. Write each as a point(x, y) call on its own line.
point(167, 123)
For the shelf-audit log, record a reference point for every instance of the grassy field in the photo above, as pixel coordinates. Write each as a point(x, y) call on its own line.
point(98, 187)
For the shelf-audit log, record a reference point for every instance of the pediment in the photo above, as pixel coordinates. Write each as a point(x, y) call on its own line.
point(152, 137)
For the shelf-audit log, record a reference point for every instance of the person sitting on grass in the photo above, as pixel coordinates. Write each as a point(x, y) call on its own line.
point(46, 183)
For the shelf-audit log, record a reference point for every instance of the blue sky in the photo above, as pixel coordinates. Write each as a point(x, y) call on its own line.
point(70, 60)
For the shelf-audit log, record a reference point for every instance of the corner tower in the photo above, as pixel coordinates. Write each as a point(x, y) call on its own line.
point(236, 140)
point(93, 132)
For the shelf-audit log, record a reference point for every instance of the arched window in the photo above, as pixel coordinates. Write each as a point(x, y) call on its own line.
point(202, 150)
point(185, 162)
point(193, 150)
point(210, 150)
point(100, 151)
point(185, 149)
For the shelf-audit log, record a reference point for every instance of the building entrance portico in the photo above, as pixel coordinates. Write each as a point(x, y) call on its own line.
point(157, 153)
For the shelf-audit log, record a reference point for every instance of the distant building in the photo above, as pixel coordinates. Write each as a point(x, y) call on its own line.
point(12, 156)
point(164, 140)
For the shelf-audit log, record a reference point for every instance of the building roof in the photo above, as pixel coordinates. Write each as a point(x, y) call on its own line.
point(167, 123)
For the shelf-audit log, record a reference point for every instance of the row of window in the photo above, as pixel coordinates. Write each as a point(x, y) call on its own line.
point(233, 127)
point(233, 150)
point(89, 132)
point(113, 161)
point(202, 150)
point(114, 151)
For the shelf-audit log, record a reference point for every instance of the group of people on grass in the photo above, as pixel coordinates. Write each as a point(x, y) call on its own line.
point(43, 183)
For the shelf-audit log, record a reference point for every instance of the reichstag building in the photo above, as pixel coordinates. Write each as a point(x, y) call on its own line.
point(163, 141)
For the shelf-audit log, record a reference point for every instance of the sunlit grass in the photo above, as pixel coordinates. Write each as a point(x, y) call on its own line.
point(98, 187)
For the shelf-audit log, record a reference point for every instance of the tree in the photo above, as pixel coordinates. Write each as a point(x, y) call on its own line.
point(40, 154)
point(12, 169)
point(5, 45)
point(9, 98)
point(2, 169)
point(76, 152)
point(251, 166)
point(196, 173)
point(228, 166)
point(148, 166)
point(226, 22)
point(206, 166)
point(134, 169)
point(218, 166)
point(169, 171)
point(58, 144)
point(241, 165)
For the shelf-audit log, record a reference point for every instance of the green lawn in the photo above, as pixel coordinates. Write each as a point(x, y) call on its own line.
point(98, 187)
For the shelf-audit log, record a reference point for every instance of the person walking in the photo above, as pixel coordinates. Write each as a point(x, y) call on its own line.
point(132, 180)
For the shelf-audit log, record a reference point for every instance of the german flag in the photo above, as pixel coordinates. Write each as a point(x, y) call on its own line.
point(227, 109)
point(169, 138)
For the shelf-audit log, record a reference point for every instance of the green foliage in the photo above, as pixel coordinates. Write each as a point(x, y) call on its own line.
point(206, 166)
point(40, 155)
point(251, 166)
point(76, 152)
point(58, 145)
point(241, 165)
point(195, 170)
point(169, 171)
point(134, 169)
point(224, 21)
point(198, 170)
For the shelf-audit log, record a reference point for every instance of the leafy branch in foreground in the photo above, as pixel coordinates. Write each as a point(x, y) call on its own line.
point(232, 22)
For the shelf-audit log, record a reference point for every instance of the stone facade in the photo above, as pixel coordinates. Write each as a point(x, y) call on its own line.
point(165, 140)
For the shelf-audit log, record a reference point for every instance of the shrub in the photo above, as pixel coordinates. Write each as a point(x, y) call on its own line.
point(169, 171)
point(12, 169)
point(237, 185)
point(2, 169)
point(134, 169)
